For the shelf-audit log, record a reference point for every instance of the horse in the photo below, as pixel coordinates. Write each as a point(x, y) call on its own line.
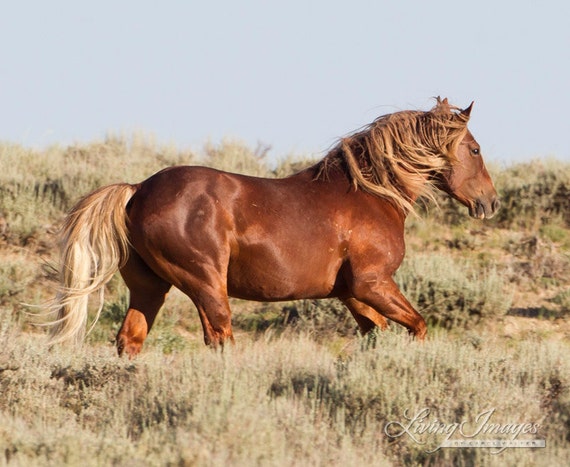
point(335, 229)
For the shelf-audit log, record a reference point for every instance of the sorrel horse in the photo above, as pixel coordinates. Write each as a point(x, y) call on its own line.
point(335, 229)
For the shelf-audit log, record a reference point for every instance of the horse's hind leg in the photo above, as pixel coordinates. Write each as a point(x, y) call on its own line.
point(366, 316)
point(147, 295)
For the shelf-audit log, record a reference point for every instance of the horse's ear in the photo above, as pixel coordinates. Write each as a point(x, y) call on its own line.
point(467, 112)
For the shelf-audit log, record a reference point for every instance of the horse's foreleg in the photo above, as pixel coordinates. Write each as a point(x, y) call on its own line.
point(147, 295)
point(366, 316)
point(215, 315)
point(383, 295)
point(206, 288)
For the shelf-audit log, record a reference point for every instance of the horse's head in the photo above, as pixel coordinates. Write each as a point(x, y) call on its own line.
point(467, 179)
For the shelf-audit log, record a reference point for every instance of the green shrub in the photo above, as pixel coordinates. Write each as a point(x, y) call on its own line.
point(236, 156)
point(321, 318)
point(449, 292)
point(533, 193)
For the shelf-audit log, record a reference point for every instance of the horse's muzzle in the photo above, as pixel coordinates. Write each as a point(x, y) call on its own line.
point(484, 209)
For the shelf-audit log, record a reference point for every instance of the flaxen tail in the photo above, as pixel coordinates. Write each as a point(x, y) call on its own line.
point(94, 245)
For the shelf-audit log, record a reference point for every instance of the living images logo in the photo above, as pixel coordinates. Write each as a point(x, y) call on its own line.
point(482, 432)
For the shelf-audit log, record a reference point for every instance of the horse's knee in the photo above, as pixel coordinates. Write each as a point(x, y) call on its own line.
point(419, 329)
point(366, 317)
point(381, 322)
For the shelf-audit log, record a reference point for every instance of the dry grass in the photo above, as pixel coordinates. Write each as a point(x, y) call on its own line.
point(300, 387)
point(278, 401)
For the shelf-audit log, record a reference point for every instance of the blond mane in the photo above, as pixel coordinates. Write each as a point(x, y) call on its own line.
point(397, 155)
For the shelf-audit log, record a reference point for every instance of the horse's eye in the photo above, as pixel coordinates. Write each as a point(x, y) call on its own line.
point(475, 151)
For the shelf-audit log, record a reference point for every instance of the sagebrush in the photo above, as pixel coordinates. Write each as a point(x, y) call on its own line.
point(301, 386)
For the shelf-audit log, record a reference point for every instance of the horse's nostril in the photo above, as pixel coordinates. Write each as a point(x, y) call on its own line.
point(496, 205)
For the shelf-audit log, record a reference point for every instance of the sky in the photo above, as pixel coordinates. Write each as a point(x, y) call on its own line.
point(295, 74)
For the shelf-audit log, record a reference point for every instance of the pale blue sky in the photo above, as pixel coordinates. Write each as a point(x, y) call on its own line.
point(294, 74)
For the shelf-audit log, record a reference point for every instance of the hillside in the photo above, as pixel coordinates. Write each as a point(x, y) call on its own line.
point(301, 386)
point(457, 270)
